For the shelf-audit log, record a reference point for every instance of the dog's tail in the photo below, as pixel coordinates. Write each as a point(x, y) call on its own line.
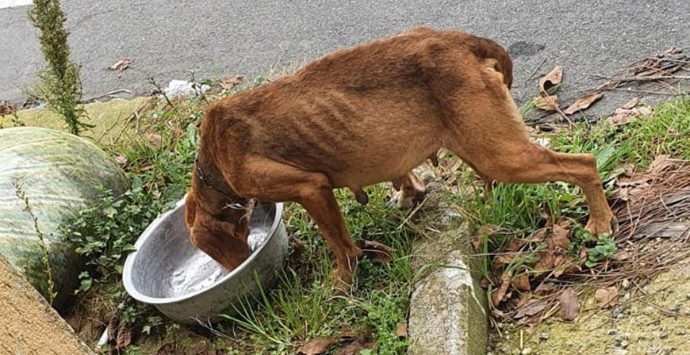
point(485, 48)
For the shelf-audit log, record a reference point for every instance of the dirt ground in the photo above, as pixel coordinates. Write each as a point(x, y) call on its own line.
point(28, 325)
point(649, 319)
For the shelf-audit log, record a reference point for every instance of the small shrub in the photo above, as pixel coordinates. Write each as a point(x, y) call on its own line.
point(61, 87)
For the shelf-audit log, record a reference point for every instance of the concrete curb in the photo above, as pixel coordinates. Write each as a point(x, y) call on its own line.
point(28, 324)
point(448, 309)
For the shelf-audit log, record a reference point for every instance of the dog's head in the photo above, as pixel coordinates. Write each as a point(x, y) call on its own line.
point(216, 227)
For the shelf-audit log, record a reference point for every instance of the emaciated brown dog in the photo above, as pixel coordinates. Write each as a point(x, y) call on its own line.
point(361, 116)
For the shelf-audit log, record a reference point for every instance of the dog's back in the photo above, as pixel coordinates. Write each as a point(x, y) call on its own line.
point(323, 117)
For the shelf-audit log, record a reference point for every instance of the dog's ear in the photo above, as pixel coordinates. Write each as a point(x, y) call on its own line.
point(189, 210)
point(225, 242)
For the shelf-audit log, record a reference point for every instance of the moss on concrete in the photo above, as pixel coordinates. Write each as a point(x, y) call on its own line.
point(108, 117)
point(643, 323)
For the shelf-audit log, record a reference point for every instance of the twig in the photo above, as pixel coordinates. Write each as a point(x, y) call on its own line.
point(108, 94)
point(534, 72)
point(643, 78)
point(649, 92)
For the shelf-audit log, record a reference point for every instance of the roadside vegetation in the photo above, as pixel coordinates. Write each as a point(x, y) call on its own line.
point(156, 145)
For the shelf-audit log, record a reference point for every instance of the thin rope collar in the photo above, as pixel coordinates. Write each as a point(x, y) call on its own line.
point(233, 202)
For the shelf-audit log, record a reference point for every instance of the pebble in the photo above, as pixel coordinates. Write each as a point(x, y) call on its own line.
point(543, 336)
point(625, 283)
point(612, 332)
point(526, 351)
point(680, 332)
point(624, 344)
point(687, 296)
point(620, 351)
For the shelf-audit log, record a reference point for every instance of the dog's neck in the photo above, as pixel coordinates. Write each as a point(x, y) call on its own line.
point(211, 180)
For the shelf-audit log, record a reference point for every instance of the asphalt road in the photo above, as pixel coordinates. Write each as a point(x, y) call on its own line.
point(214, 38)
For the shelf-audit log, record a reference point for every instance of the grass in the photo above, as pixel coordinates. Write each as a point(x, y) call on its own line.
point(518, 210)
point(302, 307)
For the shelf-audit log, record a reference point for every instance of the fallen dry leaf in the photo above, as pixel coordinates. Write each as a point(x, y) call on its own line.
point(531, 308)
point(546, 103)
point(401, 330)
point(545, 262)
point(606, 297)
point(353, 348)
point(545, 288)
point(569, 304)
point(660, 164)
point(231, 82)
point(316, 346)
point(521, 283)
point(553, 78)
point(120, 66)
point(559, 239)
point(631, 103)
point(583, 103)
point(6, 108)
point(154, 138)
point(112, 329)
point(620, 116)
point(124, 337)
point(538, 236)
point(499, 294)
point(121, 160)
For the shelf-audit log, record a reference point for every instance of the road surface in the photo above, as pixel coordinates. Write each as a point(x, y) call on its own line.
point(216, 38)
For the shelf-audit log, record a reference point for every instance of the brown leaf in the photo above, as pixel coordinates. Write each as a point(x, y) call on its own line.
point(546, 103)
point(631, 103)
point(521, 283)
point(538, 236)
point(620, 117)
point(112, 329)
point(154, 138)
point(551, 79)
point(660, 163)
point(569, 304)
point(401, 330)
point(559, 239)
point(231, 82)
point(583, 103)
point(121, 160)
point(316, 346)
point(121, 65)
point(514, 245)
point(6, 108)
point(377, 251)
point(352, 348)
point(545, 262)
point(124, 337)
point(606, 297)
point(499, 294)
point(545, 288)
point(531, 308)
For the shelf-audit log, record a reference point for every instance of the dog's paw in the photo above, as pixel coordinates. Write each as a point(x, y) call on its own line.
point(602, 227)
point(342, 282)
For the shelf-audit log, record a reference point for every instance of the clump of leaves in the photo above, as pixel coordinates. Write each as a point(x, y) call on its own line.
point(61, 87)
point(105, 232)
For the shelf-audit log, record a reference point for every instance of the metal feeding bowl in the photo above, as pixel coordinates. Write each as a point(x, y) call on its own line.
point(185, 284)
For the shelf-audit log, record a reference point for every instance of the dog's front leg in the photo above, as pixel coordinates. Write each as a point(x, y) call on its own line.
point(269, 180)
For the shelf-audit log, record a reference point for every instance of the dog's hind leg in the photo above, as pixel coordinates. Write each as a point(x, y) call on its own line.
point(518, 160)
point(410, 190)
point(268, 180)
